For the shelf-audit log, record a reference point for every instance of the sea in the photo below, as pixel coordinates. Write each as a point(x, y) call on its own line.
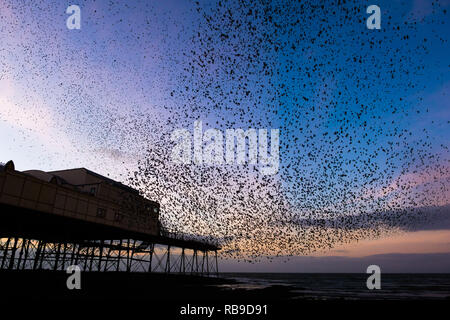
point(348, 286)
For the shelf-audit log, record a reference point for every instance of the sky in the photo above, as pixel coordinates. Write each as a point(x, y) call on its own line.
point(363, 118)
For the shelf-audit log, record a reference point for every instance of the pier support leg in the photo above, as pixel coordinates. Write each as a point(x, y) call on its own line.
point(152, 248)
point(107, 256)
point(58, 251)
point(63, 263)
point(207, 263)
point(22, 249)
point(25, 258)
point(100, 256)
point(182, 265)
point(217, 264)
point(119, 255)
point(13, 254)
point(37, 254)
point(168, 260)
point(5, 252)
point(43, 254)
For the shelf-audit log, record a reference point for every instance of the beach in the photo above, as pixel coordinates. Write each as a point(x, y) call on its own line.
point(180, 296)
point(48, 284)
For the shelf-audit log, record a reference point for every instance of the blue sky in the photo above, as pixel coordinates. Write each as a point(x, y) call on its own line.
point(358, 110)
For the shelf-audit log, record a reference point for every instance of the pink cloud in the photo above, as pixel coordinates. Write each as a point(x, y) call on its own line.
point(427, 187)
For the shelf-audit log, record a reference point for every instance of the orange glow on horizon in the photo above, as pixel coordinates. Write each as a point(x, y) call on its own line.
point(433, 241)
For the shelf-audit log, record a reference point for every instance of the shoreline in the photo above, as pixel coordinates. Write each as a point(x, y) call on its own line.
point(49, 285)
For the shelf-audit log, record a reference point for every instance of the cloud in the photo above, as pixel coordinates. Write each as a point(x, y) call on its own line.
point(412, 219)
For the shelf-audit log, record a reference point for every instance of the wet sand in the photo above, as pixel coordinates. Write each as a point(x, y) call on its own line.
point(170, 293)
point(135, 286)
